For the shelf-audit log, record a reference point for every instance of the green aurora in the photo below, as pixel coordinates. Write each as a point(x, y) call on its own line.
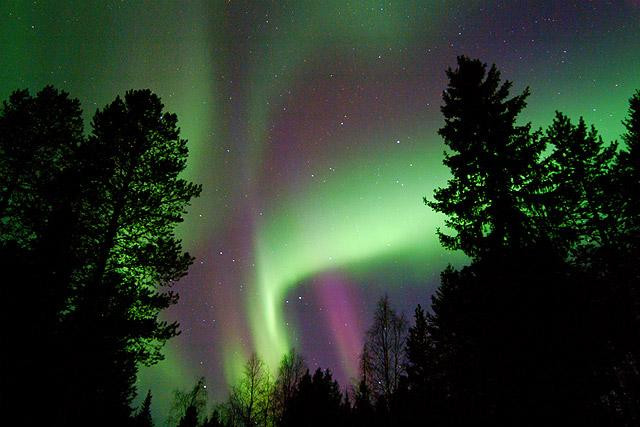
point(312, 127)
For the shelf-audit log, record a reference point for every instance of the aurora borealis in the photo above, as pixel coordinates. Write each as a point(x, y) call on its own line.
point(312, 127)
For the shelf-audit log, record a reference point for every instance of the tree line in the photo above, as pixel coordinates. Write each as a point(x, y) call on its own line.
point(541, 328)
point(298, 396)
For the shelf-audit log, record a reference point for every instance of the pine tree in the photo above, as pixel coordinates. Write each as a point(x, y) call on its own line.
point(316, 402)
point(492, 161)
point(623, 279)
point(576, 198)
point(132, 200)
point(39, 137)
point(511, 333)
point(39, 184)
point(143, 417)
point(418, 350)
point(88, 222)
point(628, 177)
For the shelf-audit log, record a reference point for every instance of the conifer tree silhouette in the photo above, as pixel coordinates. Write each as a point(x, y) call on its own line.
point(510, 332)
point(143, 417)
point(576, 183)
point(491, 159)
point(88, 222)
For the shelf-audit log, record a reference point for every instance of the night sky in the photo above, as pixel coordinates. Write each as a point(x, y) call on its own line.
point(312, 127)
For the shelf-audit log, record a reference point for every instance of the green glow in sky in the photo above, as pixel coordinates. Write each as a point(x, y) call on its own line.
point(234, 71)
point(339, 222)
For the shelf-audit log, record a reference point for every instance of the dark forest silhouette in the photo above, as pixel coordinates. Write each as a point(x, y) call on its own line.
point(541, 328)
point(88, 252)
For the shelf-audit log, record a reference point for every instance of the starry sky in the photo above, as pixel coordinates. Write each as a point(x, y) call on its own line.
point(312, 127)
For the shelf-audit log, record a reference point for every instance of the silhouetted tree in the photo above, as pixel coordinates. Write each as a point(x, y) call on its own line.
point(425, 389)
point(317, 402)
point(39, 139)
point(292, 368)
point(619, 269)
point(90, 221)
point(346, 409)
point(418, 350)
point(384, 350)
point(131, 205)
point(363, 411)
point(576, 197)
point(510, 340)
point(143, 417)
point(627, 204)
point(492, 162)
point(511, 334)
point(189, 405)
point(628, 164)
point(190, 418)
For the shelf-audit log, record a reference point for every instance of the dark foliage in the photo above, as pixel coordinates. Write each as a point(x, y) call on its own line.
point(363, 411)
point(190, 418)
point(384, 353)
point(529, 332)
point(492, 162)
point(317, 401)
point(39, 137)
point(541, 328)
point(87, 224)
point(189, 406)
point(143, 417)
point(573, 208)
point(292, 369)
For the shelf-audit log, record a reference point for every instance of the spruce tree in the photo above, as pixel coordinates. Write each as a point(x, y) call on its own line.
point(623, 279)
point(317, 401)
point(423, 382)
point(628, 177)
point(492, 160)
point(143, 417)
point(363, 410)
point(418, 350)
point(576, 197)
point(510, 332)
